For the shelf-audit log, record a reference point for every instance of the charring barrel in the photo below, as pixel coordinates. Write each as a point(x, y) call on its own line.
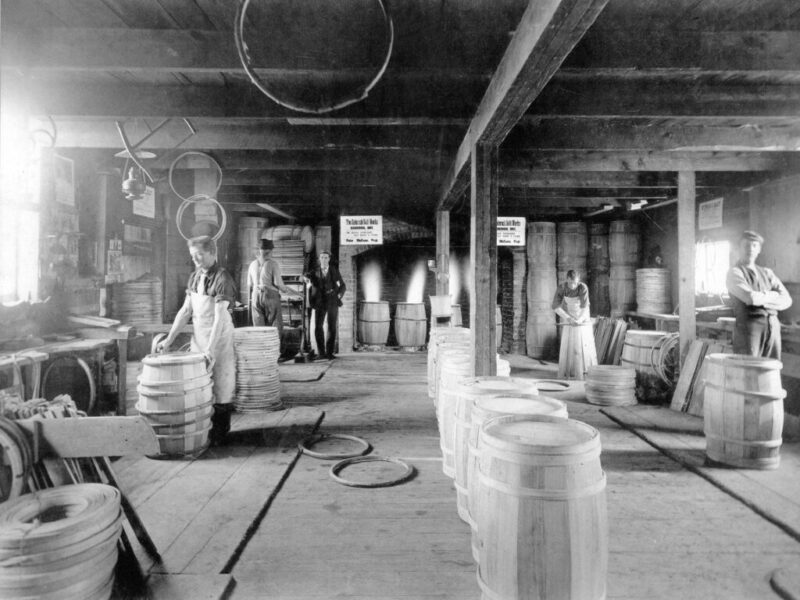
point(487, 408)
point(743, 410)
point(468, 391)
point(372, 327)
point(410, 324)
point(542, 510)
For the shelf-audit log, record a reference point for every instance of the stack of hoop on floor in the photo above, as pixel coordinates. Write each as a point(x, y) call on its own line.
point(610, 385)
point(175, 396)
point(60, 543)
point(258, 385)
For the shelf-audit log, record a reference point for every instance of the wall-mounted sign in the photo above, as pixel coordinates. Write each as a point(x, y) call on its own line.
point(510, 231)
point(358, 230)
point(710, 214)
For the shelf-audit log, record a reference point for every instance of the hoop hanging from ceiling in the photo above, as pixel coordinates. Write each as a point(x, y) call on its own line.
point(244, 57)
point(187, 202)
point(204, 155)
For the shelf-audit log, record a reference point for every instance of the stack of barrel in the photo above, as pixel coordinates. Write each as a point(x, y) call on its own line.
point(175, 397)
point(571, 249)
point(541, 338)
point(624, 251)
point(598, 265)
point(251, 231)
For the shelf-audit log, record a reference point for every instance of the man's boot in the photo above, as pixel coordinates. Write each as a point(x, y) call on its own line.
point(220, 424)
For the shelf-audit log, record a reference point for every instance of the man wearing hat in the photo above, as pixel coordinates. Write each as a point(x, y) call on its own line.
point(265, 300)
point(757, 296)
point(327, 289)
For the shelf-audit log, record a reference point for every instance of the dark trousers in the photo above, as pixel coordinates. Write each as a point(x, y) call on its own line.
point(758, 337)
point(329, 309)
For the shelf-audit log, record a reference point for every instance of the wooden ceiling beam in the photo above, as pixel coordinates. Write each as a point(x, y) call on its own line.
point(212, 135)
point(644, 134)
point(547, 33)
point(568, 160)
point(521, 178)
point(607, 193)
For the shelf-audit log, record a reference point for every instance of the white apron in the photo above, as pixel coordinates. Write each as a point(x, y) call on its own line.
point(223, 373)
point(578, 351)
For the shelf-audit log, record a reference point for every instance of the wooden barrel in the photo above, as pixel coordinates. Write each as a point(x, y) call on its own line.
point(653, 291)
point(542, 510)
point(410, 324)
point(640, 350)
point(611, 385)
point(284, 232)
point(440, 306)
point(158, 369)
point(307, 235)
point(541, 244)
point(189, 396)
point(541, 337)
point(571, 247)
point(743, 410)
point(438, 336)
point(624, 247)
point(372, 327)
point(622, 289)
point(468, 391)
point(490, 407)
point(597, 250)
point(450, 345)
point(599, 301)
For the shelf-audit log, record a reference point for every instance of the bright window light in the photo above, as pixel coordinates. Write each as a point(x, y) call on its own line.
point(712, 261)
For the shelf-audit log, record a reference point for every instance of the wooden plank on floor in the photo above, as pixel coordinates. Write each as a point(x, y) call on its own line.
point(208, 586)
point(680, 398)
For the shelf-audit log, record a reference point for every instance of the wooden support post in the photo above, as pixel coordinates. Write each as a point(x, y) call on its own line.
point(442, 252)
point(483, 258)
point(686, 258)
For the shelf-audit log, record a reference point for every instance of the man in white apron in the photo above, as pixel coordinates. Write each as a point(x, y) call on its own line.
point(578, 352)
point(209, 296)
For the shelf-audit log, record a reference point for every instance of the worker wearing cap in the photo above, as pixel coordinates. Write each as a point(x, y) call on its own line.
point(757, 296)
point(267, 305)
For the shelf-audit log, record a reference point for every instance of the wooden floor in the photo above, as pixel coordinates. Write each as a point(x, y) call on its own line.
point(283, 529)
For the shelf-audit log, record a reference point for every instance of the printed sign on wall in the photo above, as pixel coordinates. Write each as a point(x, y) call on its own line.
point(359, 230)
point(510, 231)
point(710, 214)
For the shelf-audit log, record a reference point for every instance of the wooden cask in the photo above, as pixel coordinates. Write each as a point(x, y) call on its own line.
point(622, 289)
point(743, 410)
point(624, 246)
point(438, 336)
point(597, 249)
point(410, 324)
point(468, 391)
point(653, 291)
point(571, 248)
point(541, 244)
point(611, 385)
point(174, 367)
point(541, 514)
point(372, 326)
point(446, 347)
point(599, 301)
point(541, 337)
point(489, 407)
point(641, 349)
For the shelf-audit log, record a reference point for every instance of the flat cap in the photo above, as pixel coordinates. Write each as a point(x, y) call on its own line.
point(752, 236)
point(267, 244)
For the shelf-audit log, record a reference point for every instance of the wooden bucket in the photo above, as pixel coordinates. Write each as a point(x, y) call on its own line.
point(176, 366)
point(468, 391)
point(622, 289)
point(542, 510)
point(410, 324)
point(611, 385)
point(372, 327)
point(571, 246)
point(541, 245)
point(653, 291)
point(578, 351)
point(484, 409)
point(597, 250)
point(624, 247)
point(599, 302)
point(743, 410)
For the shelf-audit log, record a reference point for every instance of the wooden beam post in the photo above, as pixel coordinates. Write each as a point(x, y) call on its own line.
point(442, 252)
point(686, 258)
point(483, 258)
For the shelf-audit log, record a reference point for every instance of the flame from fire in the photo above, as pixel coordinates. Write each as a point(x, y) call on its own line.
point(371, 282)
point(417, 285)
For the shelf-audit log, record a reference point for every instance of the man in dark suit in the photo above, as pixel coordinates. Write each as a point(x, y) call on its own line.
point(327, 289)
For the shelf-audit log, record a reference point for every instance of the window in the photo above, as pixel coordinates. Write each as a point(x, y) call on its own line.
point(712, 260)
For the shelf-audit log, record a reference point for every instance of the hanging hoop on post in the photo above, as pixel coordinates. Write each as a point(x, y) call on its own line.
point(360, 94)
point(187, 202)
point(189, 153)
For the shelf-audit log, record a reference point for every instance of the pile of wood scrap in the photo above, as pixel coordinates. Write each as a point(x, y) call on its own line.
point(688, 396)
point(609, 336)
